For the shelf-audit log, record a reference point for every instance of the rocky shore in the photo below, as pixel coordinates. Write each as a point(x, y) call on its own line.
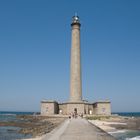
point(34, 125)
point(37, 126)
point(113, 123)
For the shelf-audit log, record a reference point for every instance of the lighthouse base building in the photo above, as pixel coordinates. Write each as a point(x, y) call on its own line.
point(97, 108)
point(75, 105)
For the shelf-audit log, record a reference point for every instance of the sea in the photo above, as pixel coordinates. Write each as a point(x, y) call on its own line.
point(127, 134)
point(12, 133)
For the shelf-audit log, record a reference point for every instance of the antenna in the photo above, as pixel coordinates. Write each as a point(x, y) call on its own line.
point(75, 14)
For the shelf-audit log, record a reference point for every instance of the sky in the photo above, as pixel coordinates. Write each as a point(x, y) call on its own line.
point(35, 42)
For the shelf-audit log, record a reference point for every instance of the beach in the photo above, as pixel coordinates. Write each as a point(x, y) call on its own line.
point(122, 128)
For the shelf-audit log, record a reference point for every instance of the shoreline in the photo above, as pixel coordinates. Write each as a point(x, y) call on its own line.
point(31, 127)
point(51, 133)
point(111, 125)
point(40, 126)
point(119, 126)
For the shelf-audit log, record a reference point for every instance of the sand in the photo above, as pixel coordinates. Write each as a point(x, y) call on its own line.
point(104, 125)
point(117, 123)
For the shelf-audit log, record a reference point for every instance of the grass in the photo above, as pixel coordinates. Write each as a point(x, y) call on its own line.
point(97, 117)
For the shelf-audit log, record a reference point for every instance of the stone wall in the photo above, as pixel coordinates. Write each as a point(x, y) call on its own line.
point(102, 108)
point(98, 108)
point(63, 108)
point(91, 109)
point(49, 107)
point(78, 106)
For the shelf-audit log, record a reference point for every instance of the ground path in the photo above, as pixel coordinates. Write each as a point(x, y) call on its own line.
point(77, 129)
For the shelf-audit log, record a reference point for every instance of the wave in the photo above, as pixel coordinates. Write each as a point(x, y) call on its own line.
point(118, 131)
point(134, 138)
point(8, 114)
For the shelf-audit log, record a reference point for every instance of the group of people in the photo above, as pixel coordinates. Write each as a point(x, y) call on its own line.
point(75, 115)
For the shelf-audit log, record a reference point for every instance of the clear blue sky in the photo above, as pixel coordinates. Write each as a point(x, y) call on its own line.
point(35, 41)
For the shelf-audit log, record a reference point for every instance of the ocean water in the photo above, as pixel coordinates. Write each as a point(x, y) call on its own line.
point(15, 113)
point(127, 134)
point(128, 114)
point(10, 132)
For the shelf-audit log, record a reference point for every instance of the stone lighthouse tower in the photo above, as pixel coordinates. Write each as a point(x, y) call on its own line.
point(75, 104)
point(75, 68)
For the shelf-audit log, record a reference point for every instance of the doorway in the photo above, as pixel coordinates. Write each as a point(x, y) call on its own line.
point(75, 110)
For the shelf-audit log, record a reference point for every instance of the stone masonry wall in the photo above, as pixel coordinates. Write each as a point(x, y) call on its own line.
point(49, 108)
point(103, 108)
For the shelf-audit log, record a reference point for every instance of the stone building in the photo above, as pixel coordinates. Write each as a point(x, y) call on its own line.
point(75, 104)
